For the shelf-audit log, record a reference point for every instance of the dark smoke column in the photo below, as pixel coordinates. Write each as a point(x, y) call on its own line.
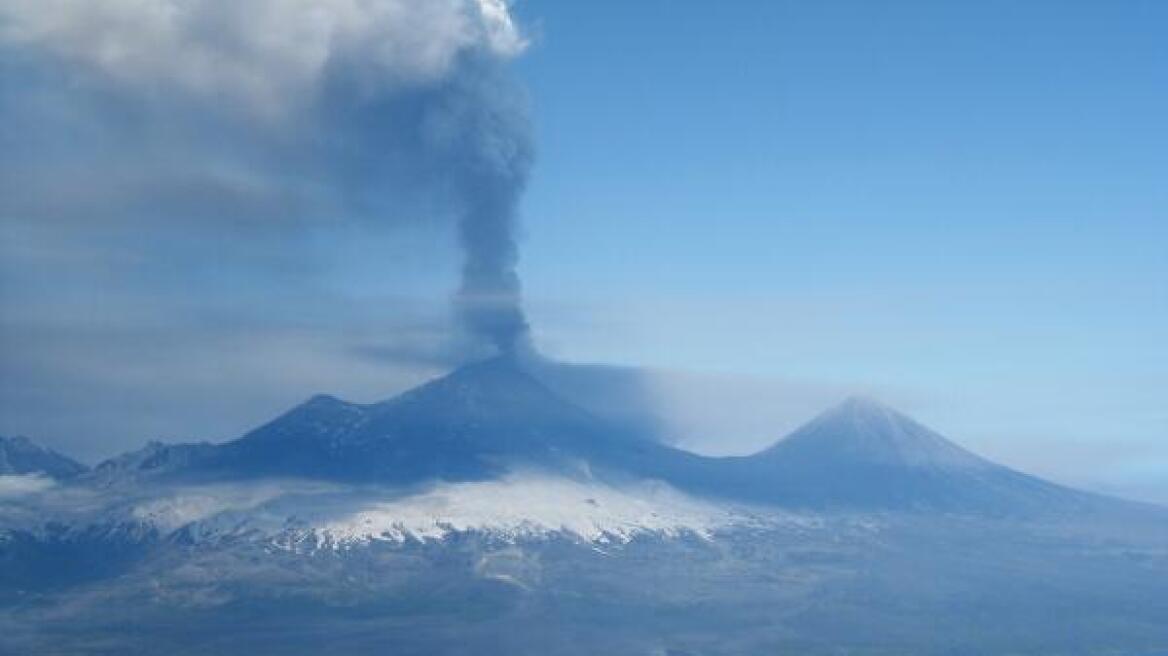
point(488, 300)
point(491, 172)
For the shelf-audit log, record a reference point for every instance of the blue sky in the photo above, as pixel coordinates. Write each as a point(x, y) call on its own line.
point(959, 205)
point(956, 207)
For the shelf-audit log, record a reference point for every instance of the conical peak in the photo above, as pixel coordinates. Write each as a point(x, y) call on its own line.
point(323, 400)
point(495, 374)
point(859, 402)
point(322, 406)
point(320, 417)
point(862, 430)
point(500, 365)
point(862, 407)
point(498, 385)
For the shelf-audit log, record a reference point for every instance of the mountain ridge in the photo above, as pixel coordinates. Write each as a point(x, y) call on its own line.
point(488, 418)
point(20, 455)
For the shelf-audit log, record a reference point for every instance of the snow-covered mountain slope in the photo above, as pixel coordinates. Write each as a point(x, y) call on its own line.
point(465, 514)
point(464, 567)
point(301, 514)
point(15, 486)
point(521, 506)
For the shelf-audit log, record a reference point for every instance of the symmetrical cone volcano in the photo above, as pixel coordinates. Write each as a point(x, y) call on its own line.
point(863, 454)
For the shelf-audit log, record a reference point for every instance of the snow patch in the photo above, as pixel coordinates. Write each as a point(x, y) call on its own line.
point(533, 506)
point(20, 485)
point(187, 505)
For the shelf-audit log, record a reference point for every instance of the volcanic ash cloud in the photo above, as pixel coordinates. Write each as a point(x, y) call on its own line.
point(207, 115)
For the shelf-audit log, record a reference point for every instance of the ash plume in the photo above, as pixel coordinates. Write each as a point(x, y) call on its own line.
point(238, 122)
point(490, 162)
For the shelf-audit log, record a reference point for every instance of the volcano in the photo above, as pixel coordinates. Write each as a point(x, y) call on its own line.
point(861, 454)
point(491, 418)
point(486, 512)
point(479, 422)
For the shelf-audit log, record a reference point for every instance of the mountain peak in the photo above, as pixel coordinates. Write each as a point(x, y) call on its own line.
point(496, 385)
point(322, 400)
point(863, 431)
point(154, 458)
point(499, 368)
point(322, 417)
point(862, 408)
point(461, 426)
point(861, 453)
point(20, 455)
point(861, 402)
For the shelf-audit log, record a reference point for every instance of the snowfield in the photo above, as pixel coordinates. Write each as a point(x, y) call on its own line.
point(19, 485)
point(533, 506)
point(519, 506)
